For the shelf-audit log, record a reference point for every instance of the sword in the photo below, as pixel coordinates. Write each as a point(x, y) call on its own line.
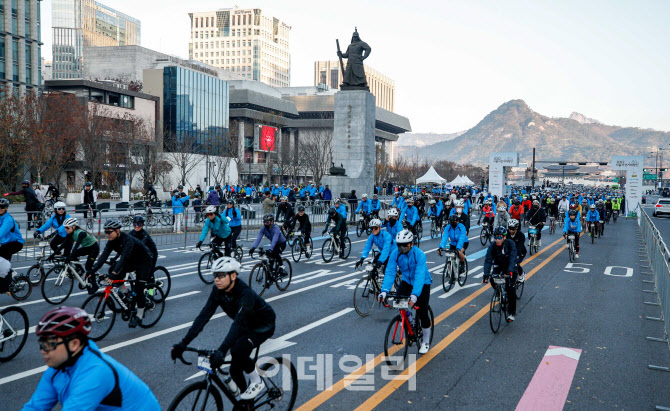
point(338, 53)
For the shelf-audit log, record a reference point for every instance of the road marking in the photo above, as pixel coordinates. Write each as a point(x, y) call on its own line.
point(323, 274)
point(551, 383)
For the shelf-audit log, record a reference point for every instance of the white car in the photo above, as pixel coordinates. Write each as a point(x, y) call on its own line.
point(661, 207)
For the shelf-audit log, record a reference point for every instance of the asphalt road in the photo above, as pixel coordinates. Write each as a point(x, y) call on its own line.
point(593, 309)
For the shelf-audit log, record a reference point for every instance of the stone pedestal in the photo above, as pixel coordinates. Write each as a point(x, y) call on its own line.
point(354, 143)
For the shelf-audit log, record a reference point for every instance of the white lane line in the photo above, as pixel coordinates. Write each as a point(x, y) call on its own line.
point(174, 297)
point(295, 277)
point(323, 274)
point(457, 288)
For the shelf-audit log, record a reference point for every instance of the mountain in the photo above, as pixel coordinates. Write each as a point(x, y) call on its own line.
point(514, 127)
point(580, 118)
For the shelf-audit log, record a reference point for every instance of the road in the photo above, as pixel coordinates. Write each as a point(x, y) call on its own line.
point(590, 313)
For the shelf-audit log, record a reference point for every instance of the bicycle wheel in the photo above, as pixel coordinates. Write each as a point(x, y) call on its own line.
point(360, 228)
point(552, 228)
point(282, 386)
point(166, 220)
point(419, 230)
point(447, 283)
point(102, 313)
point(327, 250)
point(484, 236)
point(258, 278)
point(57, 285)
point(433, 230)
point(204, 265)
point(13, 332)
point(151, 221)
point(571, 253)
point(296, 251)
point(347, 247)
point(531, 248)
point(284, 278)
point(593, 236)
point(125, 221)
point(162, 279)
point(365, 296)
point(153, 307)
point(197, 396)
point(495, 311)
point(519, 289)
point(309, 249)
point(35, 274)
point(463, 277)
point(396, 341)
point(20, 288)
point(238, 254)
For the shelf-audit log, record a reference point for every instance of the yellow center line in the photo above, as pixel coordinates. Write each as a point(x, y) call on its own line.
point(394, 384)
point(365, 368)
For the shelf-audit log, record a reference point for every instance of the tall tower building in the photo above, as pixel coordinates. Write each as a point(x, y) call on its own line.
point(20, 44)
point(247, 41)
point(85, 23)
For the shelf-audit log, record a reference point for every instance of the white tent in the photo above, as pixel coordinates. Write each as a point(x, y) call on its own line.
point(468, 181)
point(458, 181)
point(431, 176)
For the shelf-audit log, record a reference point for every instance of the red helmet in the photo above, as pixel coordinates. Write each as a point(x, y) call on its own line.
point(64, 321)
point(573, 206)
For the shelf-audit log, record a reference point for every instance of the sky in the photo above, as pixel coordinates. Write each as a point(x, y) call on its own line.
point(453, 62)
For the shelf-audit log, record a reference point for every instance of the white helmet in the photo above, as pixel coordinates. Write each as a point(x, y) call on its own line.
point(365, 196)
point(210, 209)
point(459, 203)
point(375, 222)
point(59, 204)
point(404, 237)
point(71, 222)
point(432, 202)
point(226, 265)
point(283, 198)
point(393, 212)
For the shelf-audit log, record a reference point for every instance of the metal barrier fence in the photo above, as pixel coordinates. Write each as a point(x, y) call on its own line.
point(659, 257)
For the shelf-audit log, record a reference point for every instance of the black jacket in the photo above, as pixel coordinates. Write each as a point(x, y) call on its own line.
point(286, 210)
point(132, 254)
point(536, 216)
point(340, 223)
point(146, 239)
point(503, 257)
point(249, 312)
point(304, 224)
point(520, 243)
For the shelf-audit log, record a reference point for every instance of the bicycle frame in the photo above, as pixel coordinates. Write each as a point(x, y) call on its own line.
point(73, 271)
point(7, 325)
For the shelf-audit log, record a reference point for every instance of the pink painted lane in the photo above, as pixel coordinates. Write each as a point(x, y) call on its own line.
point(551, 383)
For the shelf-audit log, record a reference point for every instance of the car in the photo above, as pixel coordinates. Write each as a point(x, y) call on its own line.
point(662, 207)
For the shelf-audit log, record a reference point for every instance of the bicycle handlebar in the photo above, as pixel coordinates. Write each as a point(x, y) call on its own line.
point(199, 352)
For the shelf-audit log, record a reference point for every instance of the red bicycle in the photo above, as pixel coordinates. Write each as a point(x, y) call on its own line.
point(403, 331)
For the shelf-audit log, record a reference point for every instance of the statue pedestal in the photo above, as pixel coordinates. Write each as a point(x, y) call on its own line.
point(353, 143)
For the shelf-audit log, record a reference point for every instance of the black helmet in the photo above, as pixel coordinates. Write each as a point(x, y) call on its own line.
point(114, 224)
point(88, 184)
point(231, 201)
point(301, 208)
point(180, 186)
point(453, 218)
point(218, 186)
point(182, 194)
point(26, 182)
point(51, 184)
point(4, 203)
point(573, 213)
point(517, 202)
point(500, 230)
point(138, 220)
point(268, 218)
point(332, 210)
point(175, 191)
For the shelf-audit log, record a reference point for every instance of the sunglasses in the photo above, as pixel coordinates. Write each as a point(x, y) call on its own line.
point(138, 225)
point(60, 209)
point(498, 237)
point(108, 232)
point(222, 275)
point(209, 214)
point(46, 345)
point(403, 246)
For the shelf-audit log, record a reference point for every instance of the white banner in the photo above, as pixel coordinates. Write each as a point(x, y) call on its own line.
point(497, 164)
point(633, 166)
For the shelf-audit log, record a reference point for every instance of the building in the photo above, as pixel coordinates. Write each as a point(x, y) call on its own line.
point(47, 70)
point(245, 41)
point(84, 23)
point(20, 44)
point(383, 88)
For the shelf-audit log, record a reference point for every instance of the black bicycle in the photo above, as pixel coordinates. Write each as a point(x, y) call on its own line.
point(369, 287)
point(499, 302)
point(278, 374)
point(206, 261)
point(265, 273)
point(13, 332)
point(299, 248)
point(486, 233)
point(363, 225)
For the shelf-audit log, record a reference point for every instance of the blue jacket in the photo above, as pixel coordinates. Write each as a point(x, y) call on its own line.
point(411, 214)
point(234, 216)
point(392, 230)
point(382, 241)
point(302, 193)
point(213, 198)
point(592, 216)
point(575, 226)
point(456, 235)
point(312, 191)
point(84, 385)
point(398, 202)
point(219, 227)
point(327, 195)
point(275, 191)
point(342, 209)
point(413, 268)
point(53, 223)
point(178, 204)
point(274, 235)
point(9, 230)
point(434, 210)
point(376, 205)
point(365, 206)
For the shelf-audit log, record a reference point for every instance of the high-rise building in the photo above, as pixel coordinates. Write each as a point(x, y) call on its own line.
point(245, 41)
point(20, 43)
point(383, 88)
point(85, 23)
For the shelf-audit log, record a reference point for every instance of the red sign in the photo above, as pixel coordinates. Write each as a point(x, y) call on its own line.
point(267, 139)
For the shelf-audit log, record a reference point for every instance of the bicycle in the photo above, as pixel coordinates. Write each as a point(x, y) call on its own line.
point(161, 276)
point(435, 228)
point(288, 234)
point(165, 217)
point(592, 231)
point(200, 395)
point(59, 280)
point(363, 226)
point(299, 248)
point(532, 239)
point(36, 272)
point(561, 218)
point(601, 228)
point(369, 287)
point(403, 331)
point(486, 234)
point(552, 225)
point(332, 246)
point(127, 220)
point(90, 220)
point(416, 230)
point(14, 330)
point(452, 266)
point(263, 275)
point(615, 215)
point(206, 261)
point(20, 287)
point(499, 302)
point(102, 306)
point(571, 247)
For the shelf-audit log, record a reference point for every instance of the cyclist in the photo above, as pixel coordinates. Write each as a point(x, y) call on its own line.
point(527, 204)
point(608, 209)
point(285, 209)
point(235, 217)
point(416, 280)
point(516, 235)
point(11, 241)
point(516, 210)
point(410, 215)
point(600, 207)
point(364, 208)
point(501, 257)
point(463, 217)
point(488, 212)
point(537, 217)
point(391, 224)
point(79, 376)
point(397, 200)
point(32, 203)
point(88, 198)
point(179, 199)
point(141, 234)
point(341, 209)
point(435, 211)
point(133, 255)
point(502, 218)
point(304, 225)
point(53, 192)
point(593, 217)
point(563, 206)
point(79, 243)
point(376, 206)
point(382, 239)
point(455, 235)
point(273, 233)
point(55, 222)
point(253, 323)
point(573, 226)
point(616, 205)
point(552, 208)
point(219, 227)
point(340, 229)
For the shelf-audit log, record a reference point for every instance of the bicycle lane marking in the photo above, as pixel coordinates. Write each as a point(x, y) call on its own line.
point(349, 379)
point(399, 380)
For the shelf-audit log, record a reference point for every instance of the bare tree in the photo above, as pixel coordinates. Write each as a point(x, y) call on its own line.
point(182, 153)
point(93, 138)
point(12, 142)
point(383, 169)
point(317, 150)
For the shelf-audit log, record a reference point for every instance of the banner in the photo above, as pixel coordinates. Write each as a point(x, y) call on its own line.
point(265, 138)
point(497, 164)
point(633, 166)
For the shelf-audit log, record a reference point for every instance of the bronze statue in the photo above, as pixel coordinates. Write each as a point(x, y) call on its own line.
point(354, 75)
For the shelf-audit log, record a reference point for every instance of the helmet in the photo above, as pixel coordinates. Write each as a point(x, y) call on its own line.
point(517, 202)
point(211, 188)
point(36, 184)
point(416, 198)
point(26, 182)
point(218, 186)
point(397, 193)
point(536, 203)
point(226, 265)
point(553, 200)
point(332, 210)
point(513, 224)
point(138, 220)
point(284, 199)
point(114, 224)
point(454, 218)
point(375, 222)
point(573, 213)
point(196, 194)
point(180, 186)
point(431, 202)
point(175, 191)
point(573, 206)
point(374, 196)
point(393, 212)
point(210, 209)
point(51, 184)
point(584, 201)
point(301, 208)
point(459, 203)
point(63, 322)
point(593, 207)
point(364, 196)
point(231, 201)
point(4, 203)
point(88, 184)
point(59, 204)
point(338, 200)
point(500, 230)
point(268, 218)
point(404, 237)
point(71, 222)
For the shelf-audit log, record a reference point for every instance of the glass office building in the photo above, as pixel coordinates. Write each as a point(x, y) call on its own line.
point(20, 43)
point(195, 111)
